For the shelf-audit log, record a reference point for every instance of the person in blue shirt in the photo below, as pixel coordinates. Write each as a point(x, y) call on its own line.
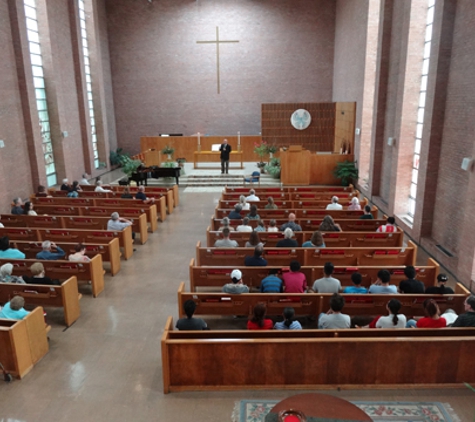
point(14, 309)
point(256, 260)
point(47, 254)
point(316, 241)
point(272, 283)
point(235, 214)
point(9, 253)
point(141, 195)
point(288, 323)
point(356, 278)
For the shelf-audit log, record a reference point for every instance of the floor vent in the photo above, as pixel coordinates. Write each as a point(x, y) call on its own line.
point(445, 251)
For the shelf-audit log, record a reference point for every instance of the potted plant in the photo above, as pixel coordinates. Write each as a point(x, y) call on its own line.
point(273, 168)
point(261, 150)
point(169, 151)
point(346, 171)
point(271, 150)
point(130, 166)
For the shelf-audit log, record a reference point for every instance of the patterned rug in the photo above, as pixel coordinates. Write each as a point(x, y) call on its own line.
point(380, 411)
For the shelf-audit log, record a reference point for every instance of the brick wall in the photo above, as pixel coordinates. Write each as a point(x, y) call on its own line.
point(165, 82)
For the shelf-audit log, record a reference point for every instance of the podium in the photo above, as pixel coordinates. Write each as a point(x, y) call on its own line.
point(295, 164)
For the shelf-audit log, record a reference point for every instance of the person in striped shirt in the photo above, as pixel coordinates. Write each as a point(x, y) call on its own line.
point(389, 227)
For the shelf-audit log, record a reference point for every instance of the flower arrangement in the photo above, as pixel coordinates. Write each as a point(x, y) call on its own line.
point(260, 149)
point(168, 150)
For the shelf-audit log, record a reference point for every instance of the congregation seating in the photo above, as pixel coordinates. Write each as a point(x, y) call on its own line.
point(65, 296)
point(217, 276)
point(23, 342)
point(289, 204)
point(332, 239)
point(376, 256)
point(85, 272)
point(203, 360)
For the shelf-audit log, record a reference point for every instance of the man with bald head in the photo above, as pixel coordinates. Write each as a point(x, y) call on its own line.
point(291, 224)
point(225, 150)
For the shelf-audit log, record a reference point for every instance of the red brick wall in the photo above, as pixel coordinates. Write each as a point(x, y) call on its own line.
point(164, 82)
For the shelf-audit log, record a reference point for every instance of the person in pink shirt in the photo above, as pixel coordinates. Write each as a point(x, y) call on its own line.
point(294, 280)
point(389, 227)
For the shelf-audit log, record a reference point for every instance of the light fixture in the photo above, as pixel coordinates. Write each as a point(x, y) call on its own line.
point(467, 164)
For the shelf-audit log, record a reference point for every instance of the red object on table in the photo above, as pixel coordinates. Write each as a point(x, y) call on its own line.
point(291, 418)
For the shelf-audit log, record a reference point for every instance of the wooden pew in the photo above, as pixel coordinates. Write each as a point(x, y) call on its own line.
point(245, 190)
point(65, 296)
point(310, 256)
point(310, 359)
point(23, 343)
point(62, 270)
point(292, 204)
point(217, 276)
point(308, 304)
point(332, 239)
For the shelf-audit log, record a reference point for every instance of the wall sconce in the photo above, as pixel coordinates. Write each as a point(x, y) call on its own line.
point(467, 164)
point(391, 142)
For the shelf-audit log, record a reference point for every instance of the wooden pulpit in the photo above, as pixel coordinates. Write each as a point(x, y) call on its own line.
point(295, 165)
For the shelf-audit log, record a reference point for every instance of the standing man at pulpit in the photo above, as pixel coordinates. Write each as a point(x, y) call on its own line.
point(225, 150)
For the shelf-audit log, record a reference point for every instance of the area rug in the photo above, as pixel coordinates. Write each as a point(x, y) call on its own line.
point(379, 411)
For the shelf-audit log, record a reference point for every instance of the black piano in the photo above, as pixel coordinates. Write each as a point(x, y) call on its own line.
point(144, 173)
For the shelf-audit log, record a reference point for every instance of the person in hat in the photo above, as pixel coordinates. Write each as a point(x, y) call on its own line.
point(237, 286)
point(441, 288)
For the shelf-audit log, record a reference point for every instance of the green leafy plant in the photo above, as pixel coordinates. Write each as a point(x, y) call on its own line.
point(168, 150)
point(130, 166)
point(346, 171)
point(118, 157)
point(261, 149)
point(273, 168)
point(271, 149)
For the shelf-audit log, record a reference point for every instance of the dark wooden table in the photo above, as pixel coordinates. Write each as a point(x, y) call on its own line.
point(320, 407)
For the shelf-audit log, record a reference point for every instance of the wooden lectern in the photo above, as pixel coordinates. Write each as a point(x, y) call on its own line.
point(295, 164)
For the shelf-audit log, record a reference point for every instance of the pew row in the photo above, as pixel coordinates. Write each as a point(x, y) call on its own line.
point(280, 214)
point(310, 359)
point(293, 204)
point(375, 256)
point(264, 189)
point(23, 342)
point(84, 271)
point(332, 239)
point(65, 296)
point(216, 277)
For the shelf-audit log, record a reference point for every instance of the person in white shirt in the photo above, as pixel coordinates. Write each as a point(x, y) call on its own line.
point(244, 227)
point(393, 320)
point(244, 205)
point(84, 180)
point(99, 187)
point(272, 226)
point(334, 319)
point(389, 227)
point(334, 204)
point(327, 284)
point(252, 196)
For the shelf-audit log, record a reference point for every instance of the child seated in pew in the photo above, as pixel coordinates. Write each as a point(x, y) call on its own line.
point(14, 309)
point(288, 323)
point(356, 278)
point(190, 323)
point(39, 277)
point(258, 320)
point(80, 255)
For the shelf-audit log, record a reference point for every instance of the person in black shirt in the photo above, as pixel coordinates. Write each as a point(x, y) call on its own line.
point(256, 260)
point(411, 285)
point(367, 213)
point(190, 323)
point(468, 318)
point(225, 150)
point(441, 289)
point(287, 241)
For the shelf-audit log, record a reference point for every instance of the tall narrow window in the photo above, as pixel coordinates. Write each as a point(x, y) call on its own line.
point(40, 92)
point(421, 107)
point(87, 71)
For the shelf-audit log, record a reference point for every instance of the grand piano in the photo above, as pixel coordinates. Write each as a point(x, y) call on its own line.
point(143, 173)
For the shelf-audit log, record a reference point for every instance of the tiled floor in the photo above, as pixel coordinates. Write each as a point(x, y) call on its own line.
point(106, 367)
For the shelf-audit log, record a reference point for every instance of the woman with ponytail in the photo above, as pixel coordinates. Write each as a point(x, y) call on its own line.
point(259, 320)
point(288, 323)
point(394, 319)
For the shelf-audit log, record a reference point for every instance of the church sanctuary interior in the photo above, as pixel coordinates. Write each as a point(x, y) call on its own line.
point(386, 84)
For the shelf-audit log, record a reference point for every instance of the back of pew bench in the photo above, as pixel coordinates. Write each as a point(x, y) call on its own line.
point(65, 296)
point(62, 270)
point(23, 342)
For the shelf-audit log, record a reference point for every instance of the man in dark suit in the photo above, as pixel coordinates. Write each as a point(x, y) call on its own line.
point(225, 149)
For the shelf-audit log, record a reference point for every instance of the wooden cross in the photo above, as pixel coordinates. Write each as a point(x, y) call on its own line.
point(217, 42)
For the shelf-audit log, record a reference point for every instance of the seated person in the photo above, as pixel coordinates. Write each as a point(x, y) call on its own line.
point(270, 204)
point(294, 281)
point(356, 278)
point(355, 204)
point(99, 187)
point(334, 205)
point(117, 223)
point(316, 241)
point(272, 226)
point(75, 187)
point(468, 318)
point(14, 309)
point(126, 193)
point(328, 225)
point(85, 179)
point(291, 224)
point(235, 214)
point(244, 227)
point(287, 241)
point(6, 275)
point(237, 286)
point(411, 285)
point(47, 254)
point(367, 213)
point(288, 323)
point(259, 320)
point(244, 205)
point(252, 196)
point(39, 277)
point(334, 319)
point(28, 208)
point(381, 285)
point(257, 259)
point(141, 196)
point(17, 206)
point(260, 226)
point(389, 227)
point(253, 215)
point(272, 283)
point(327, 284)
point(190, 323)
point(9, 253)
point(441, 288)
point(394, 319)
point(225, 242)
point(65, 186)
point(433, 318)
point(41, 192)
point(80, 255)
point(254, 240)
point(225, 225)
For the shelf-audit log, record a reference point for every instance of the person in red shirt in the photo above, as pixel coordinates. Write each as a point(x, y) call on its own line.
point(433, 318)
point(294, 280)
point(389, 227)
point(258, 320)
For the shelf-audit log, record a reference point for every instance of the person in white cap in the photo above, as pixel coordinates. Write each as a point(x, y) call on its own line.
point(236, 287)
point(334, 205)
